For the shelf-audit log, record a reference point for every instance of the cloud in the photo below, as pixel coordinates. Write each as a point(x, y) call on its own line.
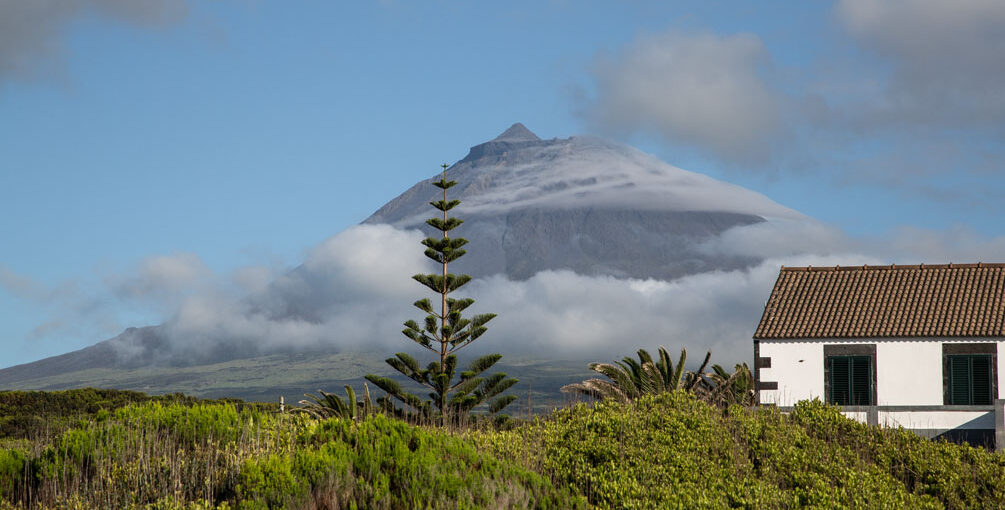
point(340, 297)
point(354, 290)
point(20, 286)
point(945, 59)
point(959, 243)
point(74, 308)
point(908, 97)
point(32, 31)
point(568, 316)
point(252, 279)
point(47, 328)
point(162, 277)
point(779, 238)
point(690, 88)
point(786, 239)
point(922, 104)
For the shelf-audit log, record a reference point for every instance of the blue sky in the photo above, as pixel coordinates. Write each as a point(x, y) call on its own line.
point(243, 133)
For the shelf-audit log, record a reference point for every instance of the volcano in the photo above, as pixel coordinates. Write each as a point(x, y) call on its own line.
point(581, 204)
point(584, 204)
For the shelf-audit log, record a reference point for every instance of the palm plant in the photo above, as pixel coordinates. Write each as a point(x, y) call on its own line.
point(721, 388)
point(329, 405)
point(630, 379)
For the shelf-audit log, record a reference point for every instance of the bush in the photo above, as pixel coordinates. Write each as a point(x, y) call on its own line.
point(675, 451)
point(13, 472)
point(667, 451)
point(30, 414)
point(202, 456)
point(385, 463)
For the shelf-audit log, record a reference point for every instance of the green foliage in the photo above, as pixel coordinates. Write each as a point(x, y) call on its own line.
point(444, 332)
point(629, 379)
point(673, 450)
point(722, 388)
point(957, 476)
point(216, 456)
point(14, 468)
point(670, 450)
point(329, 405)
point(385, 463)
point(269, 482)
point(24, 414)
point(142, 453)
point(190, 424)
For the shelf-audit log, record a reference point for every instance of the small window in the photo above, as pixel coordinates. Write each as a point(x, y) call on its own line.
point(970, 379)
point(850, 380)
point(969, 373)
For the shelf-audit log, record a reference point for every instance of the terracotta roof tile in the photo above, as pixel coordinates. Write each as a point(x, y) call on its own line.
point(886, 301)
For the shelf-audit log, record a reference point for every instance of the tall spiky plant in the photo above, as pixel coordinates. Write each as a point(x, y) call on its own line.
point(722, 388)
point(329, 405)
point(444, 332)
point(630, 379)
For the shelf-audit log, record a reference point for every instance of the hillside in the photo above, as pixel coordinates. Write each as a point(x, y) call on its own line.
point(291, 375)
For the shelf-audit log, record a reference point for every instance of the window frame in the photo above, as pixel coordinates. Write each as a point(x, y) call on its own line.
point(968, 349)
point(849, 350)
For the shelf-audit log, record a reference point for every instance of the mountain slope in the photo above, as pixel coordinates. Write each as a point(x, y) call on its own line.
point(585, 204)
point(581, 203)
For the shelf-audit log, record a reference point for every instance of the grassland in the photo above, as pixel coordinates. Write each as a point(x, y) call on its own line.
point(267, 378)
point(670, 451)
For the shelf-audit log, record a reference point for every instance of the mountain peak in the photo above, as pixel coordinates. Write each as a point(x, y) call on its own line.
point(517, 133)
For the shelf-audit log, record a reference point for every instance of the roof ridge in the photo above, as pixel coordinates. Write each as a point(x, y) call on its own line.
point(922, 266)
point(886, 301)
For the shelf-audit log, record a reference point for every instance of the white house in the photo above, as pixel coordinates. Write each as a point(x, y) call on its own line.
point(914, 346)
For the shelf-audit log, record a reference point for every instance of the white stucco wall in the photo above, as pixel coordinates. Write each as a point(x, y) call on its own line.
point(861, 416)
point(798, 367)
point(908, 371)
point(938, 420)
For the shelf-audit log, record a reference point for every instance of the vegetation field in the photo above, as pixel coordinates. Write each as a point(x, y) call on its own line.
point(125, 450)
point(266, 378)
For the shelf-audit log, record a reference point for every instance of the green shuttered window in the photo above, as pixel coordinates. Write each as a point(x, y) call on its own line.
point(970, 379)
point(850, 380)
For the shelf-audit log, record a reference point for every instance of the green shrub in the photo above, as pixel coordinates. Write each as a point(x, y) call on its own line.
point(666, 451)
point(190, 424)
point(13, 472)
point(957, 476)
point(269, 482)
point(673, 451)
point(670, 451)
point(30, 414)
point(385, 463)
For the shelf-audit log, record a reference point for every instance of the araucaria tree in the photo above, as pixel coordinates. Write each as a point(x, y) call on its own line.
point(444, 332)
